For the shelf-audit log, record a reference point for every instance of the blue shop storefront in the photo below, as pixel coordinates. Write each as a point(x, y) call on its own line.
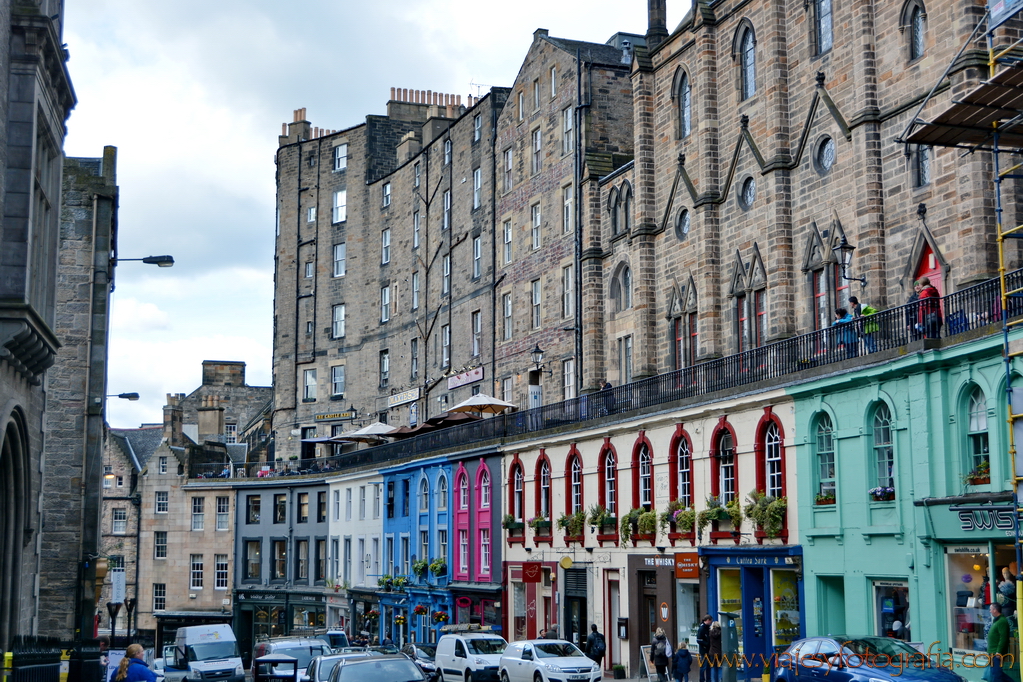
point(758, 590)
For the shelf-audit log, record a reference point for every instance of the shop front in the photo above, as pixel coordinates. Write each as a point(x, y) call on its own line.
point(531, 591)
point(687, 597)
point(364, 610)
point(758, 589)
point(260, 614)
point(394, 617)
point(977, 561)
point(476, 604)
point(429, 610)
point(651, 602)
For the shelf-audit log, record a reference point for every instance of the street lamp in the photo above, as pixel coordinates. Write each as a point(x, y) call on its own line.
point(125, 396)
point(843, 251)
point(536, 355)
point(161, 261)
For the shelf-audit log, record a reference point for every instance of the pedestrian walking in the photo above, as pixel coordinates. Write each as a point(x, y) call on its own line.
point(595, 645)
point(714, 652)
point(703, 647)
point(552, 633)
point(661, 654)
point(682, 662)
point(132, 667)
point(997, 644)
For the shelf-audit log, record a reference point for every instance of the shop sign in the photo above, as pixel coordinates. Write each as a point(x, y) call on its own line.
point(469, 377)
point(259, 596)
point(891, 583)
point(983, 517)
point(532, 571)
point(333, 416)
point(659, 561)
point(687, 565)
point(403, 397)
point(966, 549)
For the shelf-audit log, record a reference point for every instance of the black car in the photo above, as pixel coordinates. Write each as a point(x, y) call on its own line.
point(424, 656)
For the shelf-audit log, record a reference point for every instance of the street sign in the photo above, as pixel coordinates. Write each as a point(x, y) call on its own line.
point(117, 585)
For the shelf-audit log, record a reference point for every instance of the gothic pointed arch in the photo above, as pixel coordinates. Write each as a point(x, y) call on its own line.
point(738, 281)
point(924, 246)
point(815, 253)
point(757, 278)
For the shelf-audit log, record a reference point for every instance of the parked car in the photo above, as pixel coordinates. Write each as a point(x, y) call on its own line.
point(425, 656)
point(389, 668)
point(335, 638)
point(205, 652)
point(841, 658)
point(471, 657)
point(303, 649)
point(321, 667)
point(547, 660)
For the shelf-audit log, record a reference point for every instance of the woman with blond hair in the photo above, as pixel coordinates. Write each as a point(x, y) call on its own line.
point(132, 667)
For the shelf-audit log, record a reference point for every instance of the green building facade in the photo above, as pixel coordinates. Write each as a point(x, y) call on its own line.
point(905, 515)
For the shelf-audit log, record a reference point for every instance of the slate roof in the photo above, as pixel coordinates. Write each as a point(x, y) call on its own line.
point(595, 53)
point(139, 444)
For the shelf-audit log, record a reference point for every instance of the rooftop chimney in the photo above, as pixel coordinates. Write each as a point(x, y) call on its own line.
point(657, 22)
point(173, 416)
point(211, 419)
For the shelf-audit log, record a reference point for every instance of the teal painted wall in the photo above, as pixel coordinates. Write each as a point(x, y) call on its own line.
point(848, 545)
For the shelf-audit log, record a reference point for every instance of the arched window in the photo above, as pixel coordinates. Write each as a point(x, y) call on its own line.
point(462, 486)
point(884, 454)
point(485, 490)
point(612, 207)
point(646, 470)
point(825, 452)
point(916, 33)
point(747, 56)
point(518, 494)
point(575, 485)
point(424, 495)
point(685, 472)
point(685, 107)
point(823, 36)
point(772, 461)
point(978, 454)
point(726, 467)
point(442, 493)
point(609, 484)
point(626, 222)
point(544, 503)
point(621, 288)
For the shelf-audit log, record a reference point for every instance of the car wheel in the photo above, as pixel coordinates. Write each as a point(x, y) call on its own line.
point(504, 676)
point(537, 677)
point(468, 676)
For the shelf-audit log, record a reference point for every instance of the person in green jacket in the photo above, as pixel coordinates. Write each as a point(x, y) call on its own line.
point(997, 643)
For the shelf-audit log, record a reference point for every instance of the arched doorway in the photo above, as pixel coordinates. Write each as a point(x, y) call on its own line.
point(13, 500)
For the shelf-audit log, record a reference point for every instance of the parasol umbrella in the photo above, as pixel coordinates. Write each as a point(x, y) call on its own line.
point(482, 402)
point(369, 434)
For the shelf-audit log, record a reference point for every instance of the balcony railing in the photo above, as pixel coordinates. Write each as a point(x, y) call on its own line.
point(971, 309)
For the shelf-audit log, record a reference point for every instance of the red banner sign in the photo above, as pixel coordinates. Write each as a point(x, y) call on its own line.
point(532, 571)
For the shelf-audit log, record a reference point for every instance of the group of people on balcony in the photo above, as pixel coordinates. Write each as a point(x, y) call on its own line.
point(923, 320)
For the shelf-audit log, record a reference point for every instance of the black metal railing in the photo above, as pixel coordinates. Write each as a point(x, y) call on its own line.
point(36, 659)
point(973, 308)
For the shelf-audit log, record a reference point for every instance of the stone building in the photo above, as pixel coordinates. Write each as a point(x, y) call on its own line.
point(239, 403)
point(36, 99)
point(374, 276)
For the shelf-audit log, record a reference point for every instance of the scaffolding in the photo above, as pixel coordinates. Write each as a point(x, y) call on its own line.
point(990, 118)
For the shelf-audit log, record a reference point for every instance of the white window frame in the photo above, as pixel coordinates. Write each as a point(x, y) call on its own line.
point(416, 171)
point(568, 291)
point(447, 152)
point(341, 156)
point(507, 242)
point(445, 342)
point(568, 378)
point(477, 332)
point(537, 149)
point(163, 465)
point(477, 128)
point(446, 221)
point(415, 291)
point(162, 502)
point(340, 213)
point(385, 303)
point(160, 548)
point(195, 571)
point(309, 384)
point(567, 130)
point(385, 246)
point(385, 367)
point(310, 214)
point(536, 94)
point(415, 230)
point(337, 380)
point(445, 287)
point(536, 294)
point(646, 484)
point(340, 259)
point(414, 357)
point(386, 195)
point(477, 187)
point(119, 521)
point(477, 257)
point(485, 551)
point(536, 217)
point(198, 513)
point(463, 550)
point(338, 321)
point(223, 512)
point(554, 82)
point(159, 596)
point(506, 306)
point(220, 572)
point(509, 168)
point(566, 209)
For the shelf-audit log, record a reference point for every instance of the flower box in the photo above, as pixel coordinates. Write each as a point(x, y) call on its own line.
point(515, 525)
point(690, 536)
point(882, 497)
point(824, 501)
point(978, 480)
point(649, 537)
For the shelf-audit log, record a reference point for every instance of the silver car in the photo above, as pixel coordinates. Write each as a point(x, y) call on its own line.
point(321, 667)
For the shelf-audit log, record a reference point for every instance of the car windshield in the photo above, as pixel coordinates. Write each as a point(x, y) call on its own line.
point(381, 670)
point(875, 645)
point(426, 652)
point(212, 650)
point(490, 645)
point(557, 650)
point(304, 654)
point(337, 639)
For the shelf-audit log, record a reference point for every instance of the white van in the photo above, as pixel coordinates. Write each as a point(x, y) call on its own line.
point(469, 657)
point(205, 651)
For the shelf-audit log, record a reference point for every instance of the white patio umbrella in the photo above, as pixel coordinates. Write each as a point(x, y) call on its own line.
point(481, 402)
point(368, 434)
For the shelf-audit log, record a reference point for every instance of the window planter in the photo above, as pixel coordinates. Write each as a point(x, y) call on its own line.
point(882, 497)
point(824, 501)
point(978, 480)
point(690, 536)
point(608, 537)
point(515, 525)
point(575, 539)
point(649, 537)
point(543, 539)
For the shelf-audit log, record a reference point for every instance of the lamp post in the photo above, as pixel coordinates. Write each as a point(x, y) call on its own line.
point(843, 251)
point(125, 396)
point(536, 355)
point(161, 261)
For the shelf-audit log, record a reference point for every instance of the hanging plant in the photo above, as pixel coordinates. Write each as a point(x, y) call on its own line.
point(766, 511)
point(372, 614)
point(573, 524)
point(419, 567)
point(647, 523)
point(713, 512)
point(438, 566)
point(440, 616)
point(400, 620)
point(629, 524)
point(599, 516)
point(668, 515)
point(539, 522)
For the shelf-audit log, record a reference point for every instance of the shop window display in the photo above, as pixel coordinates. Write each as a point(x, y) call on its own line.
point(785, 607)
point(730, 597)
point(891, 609)
point(974, 582)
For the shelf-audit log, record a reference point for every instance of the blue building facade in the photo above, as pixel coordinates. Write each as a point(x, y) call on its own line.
point(417, 550)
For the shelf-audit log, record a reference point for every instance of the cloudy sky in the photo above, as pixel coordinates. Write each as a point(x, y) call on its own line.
point(193, 94)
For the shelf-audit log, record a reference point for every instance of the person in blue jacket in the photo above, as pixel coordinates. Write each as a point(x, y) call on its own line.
point(132, 667)
point(682, 662)
point(845, 332)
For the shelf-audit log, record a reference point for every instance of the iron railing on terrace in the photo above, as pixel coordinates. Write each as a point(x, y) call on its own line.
point(970, 309)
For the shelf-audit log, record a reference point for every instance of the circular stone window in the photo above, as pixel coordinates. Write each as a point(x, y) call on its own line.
point(748, 193)
point(682, 224)
point(824, 157)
